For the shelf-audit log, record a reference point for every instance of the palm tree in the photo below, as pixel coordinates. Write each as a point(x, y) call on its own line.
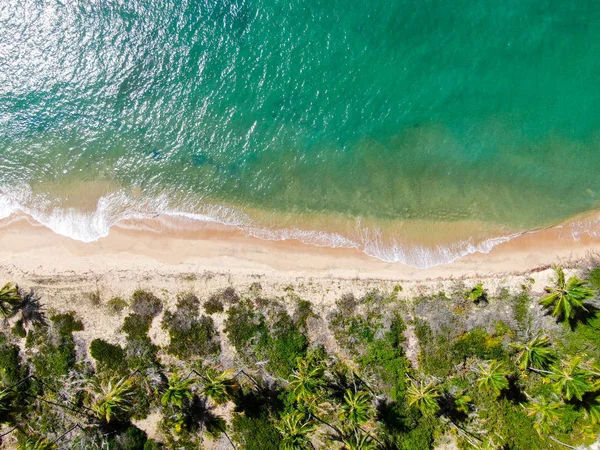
point(178, 392)
point(356, 439)
point(566, 298)
point(295, 429)
point(462, 403)
point(307, 380)
point(423, 396)
point(536, 354)
point(546, 415)
point(30, 443)
point(356, 408)
point(570, 379)
point(492, 375)
point(9, 299)
point(113, 400)
point(592, 408)
point(220, 388)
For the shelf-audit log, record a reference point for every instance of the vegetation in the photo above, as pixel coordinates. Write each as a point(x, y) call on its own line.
point(376, 372)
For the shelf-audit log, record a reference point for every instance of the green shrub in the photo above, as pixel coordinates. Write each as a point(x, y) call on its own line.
point(594, 277)
point(139, 350)
point(227, 295)
point(255, 433)
point(108, 356)
point(56, 356)
point(66, 323)
point(385, 361)
point(477, 294)
point(116, 305)
point(131, 439)
point(191, 336)
point(477, 343)
point(136, 326)
point(281, 346)
point(242, 324)
point(435, 357)
point(303, 312)
point(11, 370)
point(521, 311)
point(146, 304)
point(213, 305)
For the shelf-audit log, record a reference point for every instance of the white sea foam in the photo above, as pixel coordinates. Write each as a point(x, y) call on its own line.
point(119, 206)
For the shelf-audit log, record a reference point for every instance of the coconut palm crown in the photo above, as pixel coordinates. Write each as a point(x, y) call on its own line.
point(567, 298)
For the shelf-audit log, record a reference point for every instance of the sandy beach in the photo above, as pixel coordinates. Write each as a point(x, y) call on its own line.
point(32, 250)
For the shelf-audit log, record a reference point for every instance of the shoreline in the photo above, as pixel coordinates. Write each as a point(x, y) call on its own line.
point(29, 248)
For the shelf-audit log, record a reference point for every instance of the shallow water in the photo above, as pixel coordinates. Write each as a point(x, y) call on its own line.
point(338, 124)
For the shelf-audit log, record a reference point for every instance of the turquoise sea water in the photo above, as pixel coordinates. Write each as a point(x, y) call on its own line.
point(255, 113)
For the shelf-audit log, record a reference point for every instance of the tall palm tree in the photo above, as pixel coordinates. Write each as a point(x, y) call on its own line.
point(220, 388)
point(31, 443)
point(356, 408)
point(537, 353)
point(546, 415)
point(178, 391)
point(9, 299)
point(295, 429)
point(566, 298)
point(306, 380)
point(112, 400)
point(570, 379)
point(423, 396)
point(356, 439)
point(492, 375)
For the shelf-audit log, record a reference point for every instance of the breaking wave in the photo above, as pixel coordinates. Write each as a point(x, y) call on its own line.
point(118, 207)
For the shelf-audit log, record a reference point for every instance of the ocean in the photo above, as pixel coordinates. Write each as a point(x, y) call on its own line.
point(417, 131)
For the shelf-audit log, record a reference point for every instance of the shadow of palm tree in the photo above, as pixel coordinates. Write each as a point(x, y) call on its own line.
point(583, 317)
point(30, 308)
point(265, 396)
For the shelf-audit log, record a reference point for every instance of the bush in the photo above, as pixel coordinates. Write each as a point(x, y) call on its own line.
point(199, 339)
point(255, 433)
point(303, 312)
point(213, 305)
point(11, 370)
point(281, 346)
point(140, 351)
point(191, 336)
point(116, 305)
point(65, 324)
point(146, 304)
point(56, 356)
point(477, 343)
point(228, 296)
point(242, 324)
point(136, 326)
point(131, 439)
point(594, 277)
point(385, 361)
point(108, 356)
point(435, 356)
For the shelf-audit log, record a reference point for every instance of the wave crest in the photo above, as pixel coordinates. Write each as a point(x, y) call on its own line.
point(119, 206)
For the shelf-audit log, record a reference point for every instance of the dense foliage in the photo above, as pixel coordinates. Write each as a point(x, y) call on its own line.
point(467, 366)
